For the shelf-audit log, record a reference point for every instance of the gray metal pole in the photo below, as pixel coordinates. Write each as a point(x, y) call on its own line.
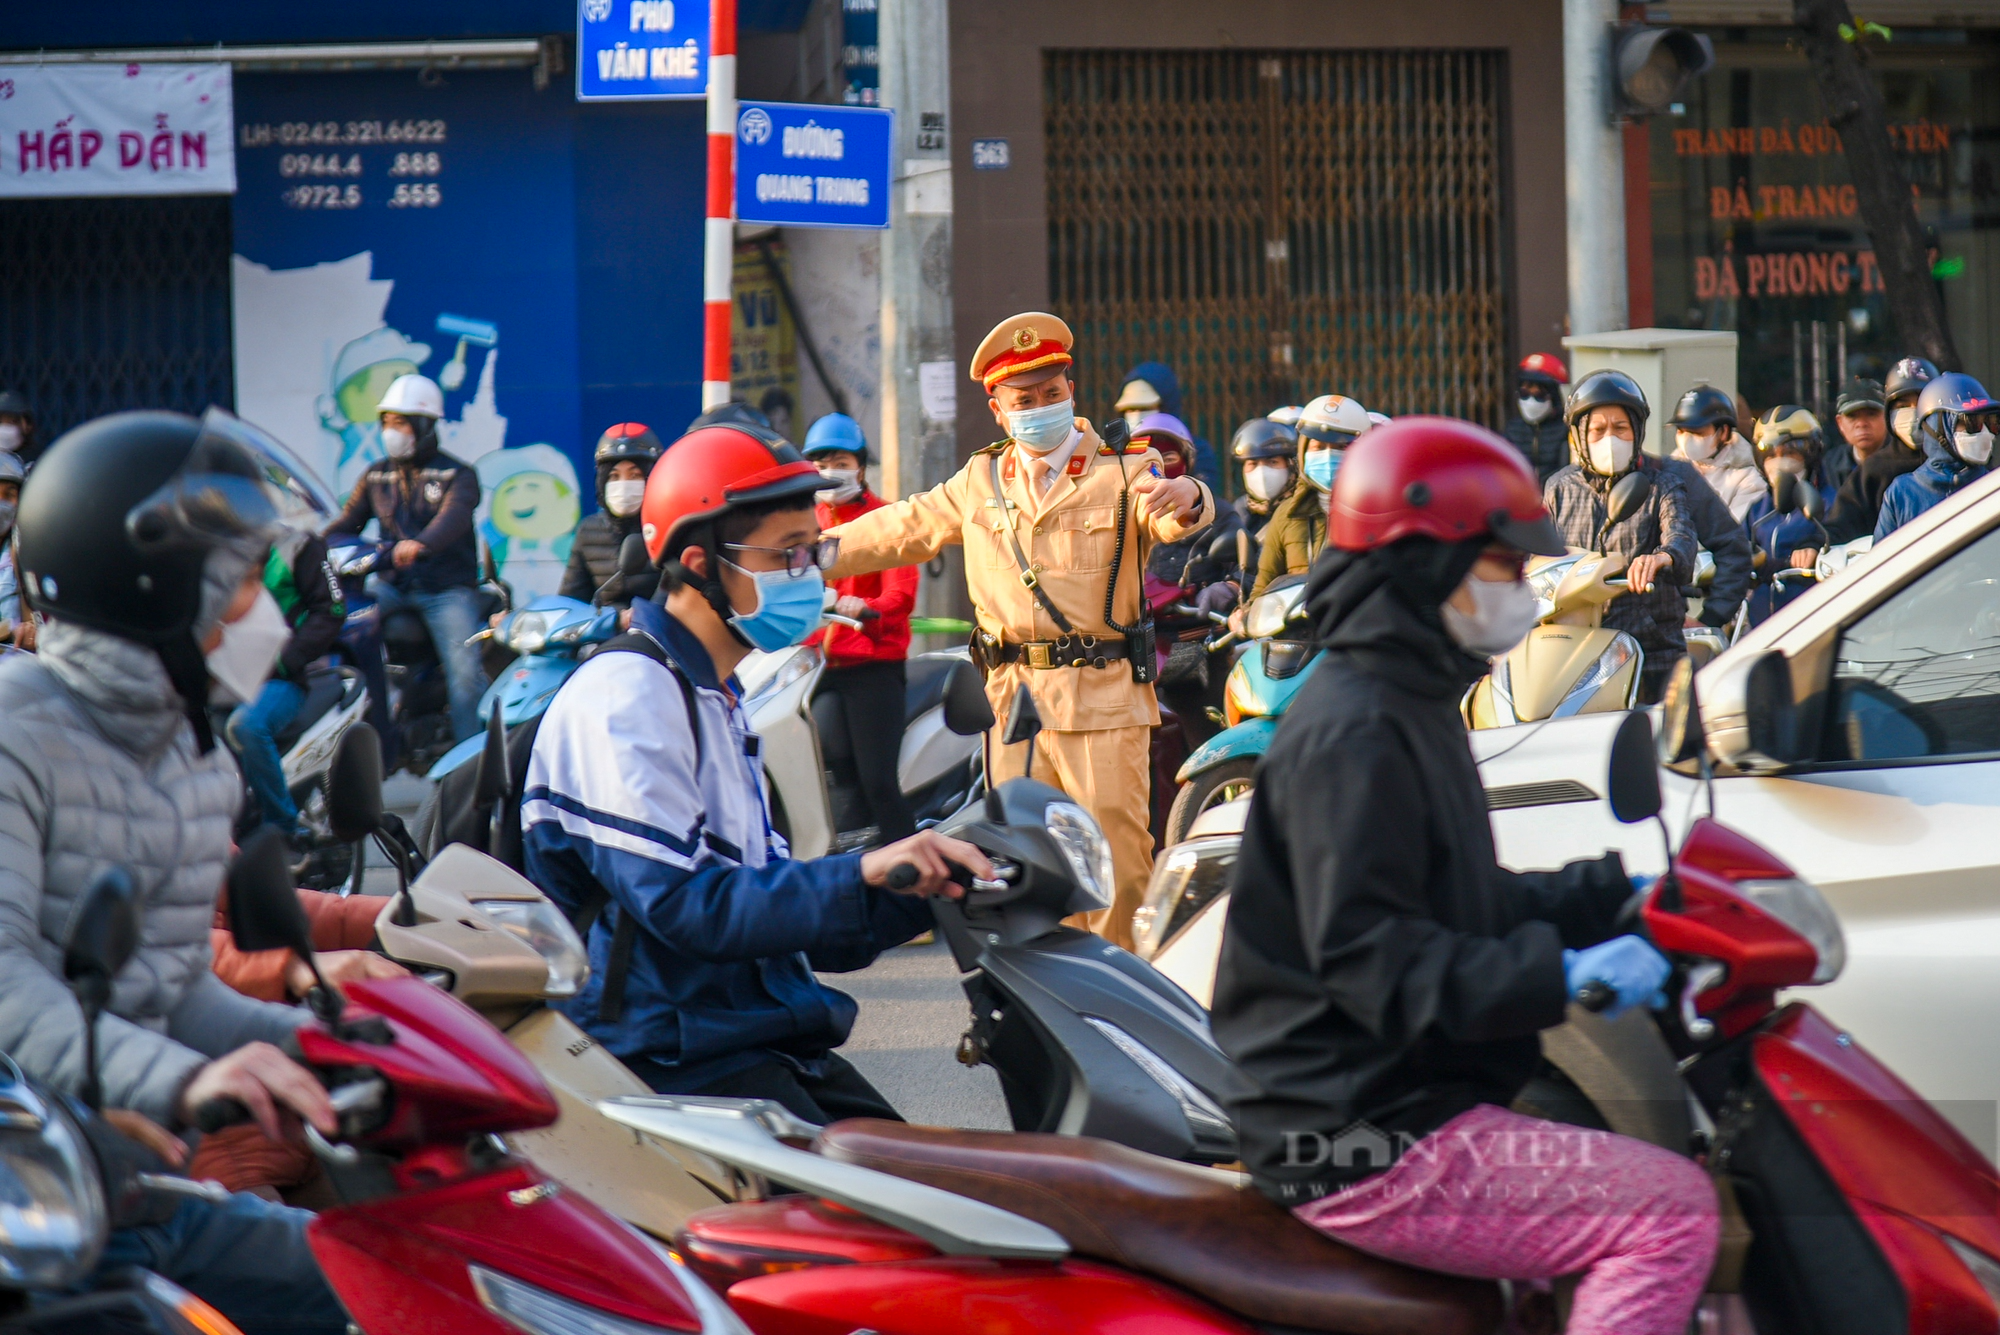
point(1594, 182)
point(919, 439)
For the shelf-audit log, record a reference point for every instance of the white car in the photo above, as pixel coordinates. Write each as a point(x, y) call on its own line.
point(1857, 735)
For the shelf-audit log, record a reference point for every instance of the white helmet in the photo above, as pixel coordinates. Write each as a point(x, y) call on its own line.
point(413, 396)
point(1379, 419)
point(1334, 419)
point(1287, 415)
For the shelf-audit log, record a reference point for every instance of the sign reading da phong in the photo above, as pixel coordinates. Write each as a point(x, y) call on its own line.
point(813, 165)
point(632, 49)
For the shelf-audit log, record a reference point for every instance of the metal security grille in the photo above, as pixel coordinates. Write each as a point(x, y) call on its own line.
point(108, 304)
point(1280, 225)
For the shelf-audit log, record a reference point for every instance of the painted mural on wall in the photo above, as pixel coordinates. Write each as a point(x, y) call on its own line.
point(385, 227)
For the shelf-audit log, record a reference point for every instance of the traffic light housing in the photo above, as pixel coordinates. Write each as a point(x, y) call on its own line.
point(1651, 66)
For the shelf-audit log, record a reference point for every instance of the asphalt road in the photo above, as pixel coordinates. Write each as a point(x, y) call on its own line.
point(912, 1012)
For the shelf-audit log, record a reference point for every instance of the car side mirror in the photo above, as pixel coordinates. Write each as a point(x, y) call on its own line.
point(632, 558)
point(1024, 721)
point(1627, 495)
point(1680, 737)
point(102, 938)
point(967, 711)
point(1770, 714)
point(1634, 781)
point(354, 785)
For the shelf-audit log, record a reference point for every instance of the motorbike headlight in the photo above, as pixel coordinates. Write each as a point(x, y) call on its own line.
point(539, 1312)
point(541, 926)
point(52, 1216)
point(1083, 846)
point(1800, 906)
point(528, 632)
point(1546, 579)
point(1266, 616)
point(1186, 879)
point(802, 660)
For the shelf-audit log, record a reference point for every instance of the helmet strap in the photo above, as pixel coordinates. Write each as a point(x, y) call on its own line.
point(187, 669)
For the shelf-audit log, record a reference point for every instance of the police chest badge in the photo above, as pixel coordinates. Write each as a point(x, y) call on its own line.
point(433, 491)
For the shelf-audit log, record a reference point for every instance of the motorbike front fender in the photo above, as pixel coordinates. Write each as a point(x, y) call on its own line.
point(1250, 738)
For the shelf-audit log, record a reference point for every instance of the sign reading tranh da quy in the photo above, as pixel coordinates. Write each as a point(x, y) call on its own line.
point(73, 130)
point(813, 165)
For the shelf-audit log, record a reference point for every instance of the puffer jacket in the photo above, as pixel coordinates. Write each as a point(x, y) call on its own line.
point(593, 560)
point(1544, 444)
point(1576, 502)
point(98, 769)
point(1941, 475)
point(1293, 538)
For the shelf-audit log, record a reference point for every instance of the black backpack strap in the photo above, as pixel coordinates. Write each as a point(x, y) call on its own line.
point(625, 932)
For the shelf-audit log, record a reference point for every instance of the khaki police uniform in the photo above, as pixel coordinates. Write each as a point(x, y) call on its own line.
point(1097, 738)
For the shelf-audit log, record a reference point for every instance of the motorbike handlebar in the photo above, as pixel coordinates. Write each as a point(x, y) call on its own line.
point(1596, 996)
point(218, 1113)
point(905, 874)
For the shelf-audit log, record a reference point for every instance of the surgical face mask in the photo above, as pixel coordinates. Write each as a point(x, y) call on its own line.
point(1609, 455)
point(789, 608)
point(1696, 446)
point(1787, 463)
point(1534, 411)
point(1904, 422)
point(623, 495)
point(1321, 465)
point(400, 442)
point(843, 484)
point(1502, 614)
point(1043, 429)
point(1975, 447)
point(1134, 416)
point(242, 662)
point(1266, 482)
point(10, 438)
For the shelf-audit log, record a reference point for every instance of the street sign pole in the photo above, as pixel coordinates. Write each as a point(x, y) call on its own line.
point(719, 234)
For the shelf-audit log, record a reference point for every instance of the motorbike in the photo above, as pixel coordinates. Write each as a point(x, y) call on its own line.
point(336, 699)
point(441, 1226)
point(1570, 663)
point(1259, 688)
point(415, 716)
point(1848, 1204)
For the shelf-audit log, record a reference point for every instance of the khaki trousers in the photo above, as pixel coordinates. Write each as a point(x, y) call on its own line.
point(1109, 772)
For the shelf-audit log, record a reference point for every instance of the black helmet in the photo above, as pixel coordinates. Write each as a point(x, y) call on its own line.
point(1907, 379)
point(1608, 389)
point(628, 443)
point(1787, 425)
point(14, 403)
point(1261, 438)
point(1703, 406)
point(118, 518)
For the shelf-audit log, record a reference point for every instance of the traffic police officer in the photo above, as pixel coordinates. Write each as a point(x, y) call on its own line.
point(1045, 561)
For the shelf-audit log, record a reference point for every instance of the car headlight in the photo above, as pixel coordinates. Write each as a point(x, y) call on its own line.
point(541, 926)
point(1266, 616)
point(52, 1216)
point(540, 1312)
point(528, 632)
point(1186, 879)
point(1800, 906)
point(1083, 846)
point(1208, 1123)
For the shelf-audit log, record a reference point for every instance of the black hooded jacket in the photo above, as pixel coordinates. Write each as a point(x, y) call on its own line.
point(1379, 965)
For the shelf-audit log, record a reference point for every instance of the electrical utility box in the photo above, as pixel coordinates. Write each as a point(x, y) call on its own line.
point(1666, 363)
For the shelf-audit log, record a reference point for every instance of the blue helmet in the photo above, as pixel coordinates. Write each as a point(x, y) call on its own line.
point(1948, 400)
point(836, 431)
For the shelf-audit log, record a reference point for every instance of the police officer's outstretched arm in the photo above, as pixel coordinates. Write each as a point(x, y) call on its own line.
point(906, 532)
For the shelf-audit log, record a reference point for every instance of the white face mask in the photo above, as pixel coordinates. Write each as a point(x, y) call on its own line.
point(250, 644)
point(622, 495)
point(1904, 422)
point(1502, 614)
point(400, 442)
point(1610, 455)
point(1975, 447)
point(843, 485)
point(1534, 411)
point(1266, 482)
point(10, 438)
point(1697, 447)
point(1786, 463)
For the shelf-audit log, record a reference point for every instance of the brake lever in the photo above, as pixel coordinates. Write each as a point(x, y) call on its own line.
point(1699, 979)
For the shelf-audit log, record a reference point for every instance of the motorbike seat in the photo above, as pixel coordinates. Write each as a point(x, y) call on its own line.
point(1185, 1225)
point(924, 683)
point(406, 638)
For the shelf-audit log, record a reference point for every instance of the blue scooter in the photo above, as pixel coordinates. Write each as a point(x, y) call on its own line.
point(1260, 688)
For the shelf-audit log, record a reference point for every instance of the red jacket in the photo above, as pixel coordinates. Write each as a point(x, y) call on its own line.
point(893, 593)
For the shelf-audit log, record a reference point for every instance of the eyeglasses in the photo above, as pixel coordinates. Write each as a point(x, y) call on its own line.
point(817, 555)
point(1531, 390)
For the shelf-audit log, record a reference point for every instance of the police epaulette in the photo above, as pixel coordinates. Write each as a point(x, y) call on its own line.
point(995, 447)
point(1136, 447)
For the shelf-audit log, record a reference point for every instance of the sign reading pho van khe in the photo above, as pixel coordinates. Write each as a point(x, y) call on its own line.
point(628, 50)
point(73, 130)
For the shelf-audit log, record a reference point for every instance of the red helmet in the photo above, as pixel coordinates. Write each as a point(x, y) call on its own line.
point(1437, 477)
point(1544, 366)
point(713, 470)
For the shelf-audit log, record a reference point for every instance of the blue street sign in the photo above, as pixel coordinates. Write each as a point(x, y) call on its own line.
point(809, 165)
point(632, 49)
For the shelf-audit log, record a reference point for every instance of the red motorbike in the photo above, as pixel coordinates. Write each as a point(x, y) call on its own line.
point(1850, 1205)
point(441, 1229)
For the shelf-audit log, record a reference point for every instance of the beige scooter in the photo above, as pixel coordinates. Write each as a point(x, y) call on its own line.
point(1570, 663)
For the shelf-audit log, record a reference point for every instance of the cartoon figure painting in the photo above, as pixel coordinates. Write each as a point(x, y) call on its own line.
point(361, 373)
point(528, 514)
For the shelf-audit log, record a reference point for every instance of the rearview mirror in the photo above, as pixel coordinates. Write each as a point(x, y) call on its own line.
point(967, 711)
point(1627, 495)
point(1634, 782)
point(1680, 738)
point(354, 785)
point(264, 910)
point(102, 936)
point(632, 558)
point(1770, 714)
point(1024, 721)
point(1785, 490)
